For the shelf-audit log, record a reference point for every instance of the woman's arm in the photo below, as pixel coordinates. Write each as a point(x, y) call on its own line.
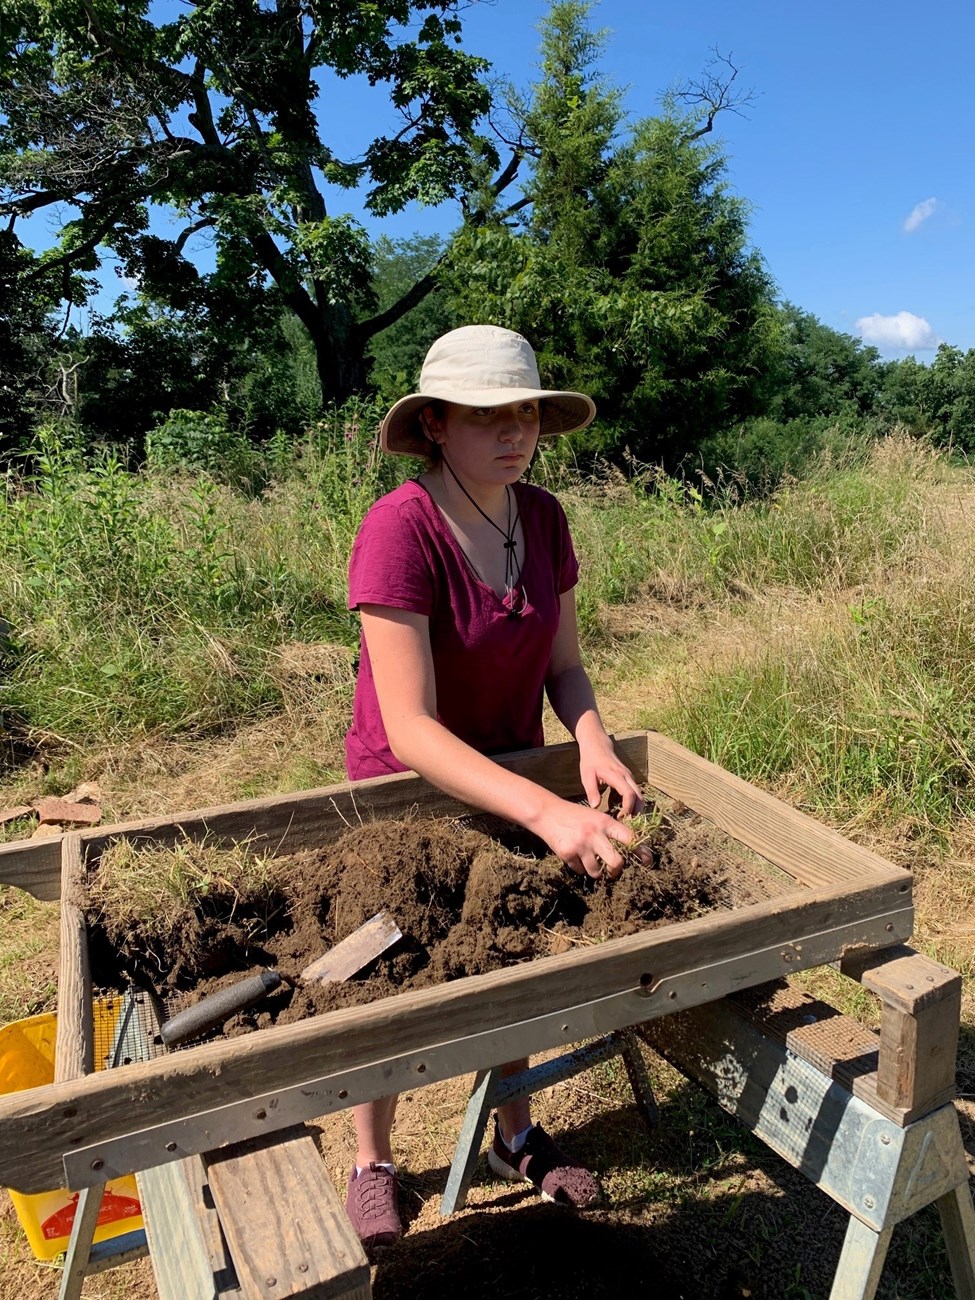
point(570, 692)
point(398, 643)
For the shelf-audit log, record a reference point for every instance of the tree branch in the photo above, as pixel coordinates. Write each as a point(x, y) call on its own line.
point(31, 202)
point(376, 324)
point(517, 206)
point(713, 93)
point(190, 230)
point(505, 178)
point(73, 255)
point(279, 268)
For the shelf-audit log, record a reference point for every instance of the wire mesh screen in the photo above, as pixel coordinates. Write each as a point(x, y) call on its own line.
point(124, 1029)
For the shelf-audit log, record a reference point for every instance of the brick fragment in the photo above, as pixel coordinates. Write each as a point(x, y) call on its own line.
point(50, 809)
point(87, 792)
point(11, 814)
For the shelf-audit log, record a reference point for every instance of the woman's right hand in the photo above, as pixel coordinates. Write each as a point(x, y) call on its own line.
point(584, 838)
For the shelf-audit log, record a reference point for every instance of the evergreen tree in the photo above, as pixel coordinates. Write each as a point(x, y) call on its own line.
point(630, 268)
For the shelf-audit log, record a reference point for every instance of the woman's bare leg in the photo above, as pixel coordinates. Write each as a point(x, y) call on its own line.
point(373, 1127)
point(514, 1116)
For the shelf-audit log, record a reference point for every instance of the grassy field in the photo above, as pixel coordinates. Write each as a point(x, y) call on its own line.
point(184, 642)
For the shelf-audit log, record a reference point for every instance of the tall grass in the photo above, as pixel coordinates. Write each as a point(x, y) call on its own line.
point(874, 712)
point(161, 601)
point(842, 525)
point(155, 601)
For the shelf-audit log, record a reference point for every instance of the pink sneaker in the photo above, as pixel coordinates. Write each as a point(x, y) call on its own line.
point(557, 1176)
point(372, 1204)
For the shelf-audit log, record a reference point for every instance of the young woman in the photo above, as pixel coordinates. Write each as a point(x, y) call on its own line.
point(464, 581)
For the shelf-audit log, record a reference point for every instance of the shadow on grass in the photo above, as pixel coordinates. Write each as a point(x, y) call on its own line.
point(696, 1210)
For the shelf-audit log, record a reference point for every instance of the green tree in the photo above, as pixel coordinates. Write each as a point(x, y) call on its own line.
point(953, 386)
point(27, 339)
point(397, 353)
point(630, 268)
point(220, 117)
point(909, 395)
point(820, 371)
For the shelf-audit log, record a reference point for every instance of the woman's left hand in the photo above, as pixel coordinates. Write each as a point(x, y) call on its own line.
point(601, 767)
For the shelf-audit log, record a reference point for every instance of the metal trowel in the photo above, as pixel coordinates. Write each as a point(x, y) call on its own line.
point(350, 955)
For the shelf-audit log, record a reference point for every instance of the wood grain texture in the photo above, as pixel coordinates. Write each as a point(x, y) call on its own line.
point(37, 1126)
point(189, 1260)
point(919, 1025)
point(74, 1045)
point(283, 1219)
point(34, 866)
point(353, 952)
point(286, 823)
point(908, 980)
point(809, 852)
point(916, 1070)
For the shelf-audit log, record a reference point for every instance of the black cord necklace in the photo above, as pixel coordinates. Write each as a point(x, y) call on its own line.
point(512, 565)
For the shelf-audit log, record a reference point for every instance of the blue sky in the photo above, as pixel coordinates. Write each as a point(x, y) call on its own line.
point(855, 156)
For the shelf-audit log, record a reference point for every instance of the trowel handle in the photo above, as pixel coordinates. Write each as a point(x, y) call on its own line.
point(219, 1006)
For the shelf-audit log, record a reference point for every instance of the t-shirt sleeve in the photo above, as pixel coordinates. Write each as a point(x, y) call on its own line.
point(569, 565)
point(390, 563)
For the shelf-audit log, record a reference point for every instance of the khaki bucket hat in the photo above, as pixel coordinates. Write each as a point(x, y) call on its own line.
point(481, 365)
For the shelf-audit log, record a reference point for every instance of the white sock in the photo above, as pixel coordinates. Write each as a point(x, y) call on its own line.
point(515, 1144)
point(380, 1164)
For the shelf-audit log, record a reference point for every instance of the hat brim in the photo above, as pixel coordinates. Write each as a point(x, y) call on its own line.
point(401, 434)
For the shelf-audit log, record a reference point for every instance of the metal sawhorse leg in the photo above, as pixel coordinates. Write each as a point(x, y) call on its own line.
point(82, 1258)
point(870, 1121)
point(491, 1090)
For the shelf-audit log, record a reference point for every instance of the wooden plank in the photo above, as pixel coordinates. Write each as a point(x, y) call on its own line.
point(74, 1044)
point(917, 1056)
point(861, 1262)
point(809, 852)
point(225, 1283)
point(353, 952)
point(38, 1126)
point(286, 823)
point(189, 1258)
point(919, 1025)
point(34, 866)
point(958, 1226)
point(904, 979)
point(283, 1219)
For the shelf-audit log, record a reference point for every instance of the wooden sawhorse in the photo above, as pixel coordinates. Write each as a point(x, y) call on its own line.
point(870, 1121)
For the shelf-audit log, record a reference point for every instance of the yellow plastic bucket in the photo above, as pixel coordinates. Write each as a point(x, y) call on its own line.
point(27, 1061)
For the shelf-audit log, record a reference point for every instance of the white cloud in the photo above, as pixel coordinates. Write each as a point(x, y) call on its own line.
point(903, 330)
point(920, 213)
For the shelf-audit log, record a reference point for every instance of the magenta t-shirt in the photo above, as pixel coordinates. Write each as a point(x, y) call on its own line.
point(489, 666)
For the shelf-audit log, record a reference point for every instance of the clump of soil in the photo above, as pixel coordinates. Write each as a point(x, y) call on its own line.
point(464, 902)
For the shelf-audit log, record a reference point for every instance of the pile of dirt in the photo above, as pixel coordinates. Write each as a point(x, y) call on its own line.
point(465, 902)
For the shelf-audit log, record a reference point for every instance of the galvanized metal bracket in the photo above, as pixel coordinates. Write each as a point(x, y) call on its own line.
point(879, 1171)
